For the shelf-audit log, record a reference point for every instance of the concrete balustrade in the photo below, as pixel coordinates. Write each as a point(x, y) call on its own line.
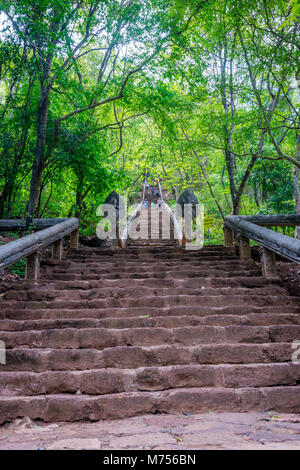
point(271, 242)
point(28, 247)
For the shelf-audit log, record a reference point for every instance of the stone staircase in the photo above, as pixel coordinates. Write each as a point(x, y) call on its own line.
point(151, 328)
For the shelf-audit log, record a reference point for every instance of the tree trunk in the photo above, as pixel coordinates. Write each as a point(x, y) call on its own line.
point(79, 196)
point(38, 192)
point(228, 105)
point(296, 186)
point(39, 157)
point(230, 169)
point(4, 197)
point(256, 197)
point(78, 207)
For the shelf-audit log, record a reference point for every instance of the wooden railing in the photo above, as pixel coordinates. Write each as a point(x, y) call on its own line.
point(28, 247)
point(271, 242)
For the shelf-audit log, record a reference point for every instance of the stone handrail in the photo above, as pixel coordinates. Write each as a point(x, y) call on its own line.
point(28, 247)
point(280, 220)
point(271, 242)
point(11, 225)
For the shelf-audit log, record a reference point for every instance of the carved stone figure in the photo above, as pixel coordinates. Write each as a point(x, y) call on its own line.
point(117, 202)
point(187, 197)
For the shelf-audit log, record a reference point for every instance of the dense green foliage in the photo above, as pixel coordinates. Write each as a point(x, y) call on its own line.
point(203, 94)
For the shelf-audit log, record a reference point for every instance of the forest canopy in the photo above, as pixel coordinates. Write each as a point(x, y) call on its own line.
point(202, 94)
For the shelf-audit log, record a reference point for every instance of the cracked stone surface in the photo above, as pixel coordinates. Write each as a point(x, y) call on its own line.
point(255, 430)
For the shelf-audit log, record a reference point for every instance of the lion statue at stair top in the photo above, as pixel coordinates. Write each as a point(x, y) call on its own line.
point(117, 202)
point(187, 197)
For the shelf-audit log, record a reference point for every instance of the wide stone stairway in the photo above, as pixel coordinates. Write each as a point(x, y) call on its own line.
point(151, 328)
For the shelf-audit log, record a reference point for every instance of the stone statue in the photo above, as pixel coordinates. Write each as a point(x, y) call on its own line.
point(117, 202)
point(187, 197)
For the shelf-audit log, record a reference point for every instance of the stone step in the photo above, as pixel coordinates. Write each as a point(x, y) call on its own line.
point(184, 275)
point(163, 249)
point(157, 301)
point(131, 292)
point(144, 254)
point(253, 319)
point(193, 283)
point(190, 262)
point(145, 268)
point(25, 313)
point(108, 381)
point(124, 357)
point(101, 338)
point(70, 407)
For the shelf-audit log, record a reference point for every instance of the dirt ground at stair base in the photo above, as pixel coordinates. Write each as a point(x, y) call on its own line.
point(208, 431)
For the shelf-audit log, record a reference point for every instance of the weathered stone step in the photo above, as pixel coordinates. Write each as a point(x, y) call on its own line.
point(205, 273)
point(249, 282)
point(65, 407)
point(124, 357)
point(129, 250)
point(149, 254)
point(148, 269)
point(104, 381)
point(151, 266)
point(145, 255)
point(253, 319)
point(132, 292)
point(25, 313)
point(191, 283)
point(136, 263)
point(101, 338)
point(155, 241)
point(157, 301)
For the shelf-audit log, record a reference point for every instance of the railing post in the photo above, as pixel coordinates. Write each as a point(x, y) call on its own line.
point(74, 239)
point(268, 263)
point(119, 241)
point(32, 272)
point(57, 249)
point(245, 250)
point(228, 237)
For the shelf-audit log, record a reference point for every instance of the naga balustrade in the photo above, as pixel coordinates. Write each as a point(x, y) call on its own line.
point(179, 235)
point(253, 227)
point(123, 239)
point(28, 247)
